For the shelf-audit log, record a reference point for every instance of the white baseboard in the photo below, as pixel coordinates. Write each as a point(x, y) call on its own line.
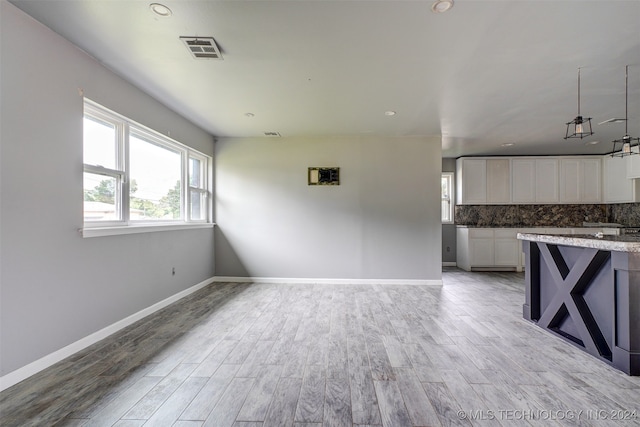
point(289, 280)
point(449, 264)
point(32, 368)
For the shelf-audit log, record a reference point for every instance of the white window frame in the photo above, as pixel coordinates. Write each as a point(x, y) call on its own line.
point(203, 189)
point(125, 225)
point(450, 178)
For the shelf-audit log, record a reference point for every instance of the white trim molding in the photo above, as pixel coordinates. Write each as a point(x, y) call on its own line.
point(33, 368)
point(321, 281)
point(141, 228)
point(449, 264)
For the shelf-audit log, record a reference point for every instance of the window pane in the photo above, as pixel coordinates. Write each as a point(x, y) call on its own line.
point(155, 188)
point(100, 198)
point(195, 173)
point(445, 211)
point(99, 143)
point(198, 206)
point(447, 203)
point(445, 187)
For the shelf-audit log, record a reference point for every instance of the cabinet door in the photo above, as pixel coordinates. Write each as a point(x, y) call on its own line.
point(481, 252)
point(591, 180)
point(523, 181)
point(633, 165)
point(498, 181)
point(617, 187)
point(506, 252)
point(547, 181)
point(570, 180)
point(473, 177)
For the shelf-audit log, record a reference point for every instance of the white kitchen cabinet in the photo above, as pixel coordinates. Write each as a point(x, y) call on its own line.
point(617, 187)
point(481, 252)
point(487, 249)
point(591, 174)
point(570, 181)
point(498, 181)
point(547, 188)
point(580, 180)
point(471, 181)
point(528, 180)
point(633, 164)
point(534, 180)
point(523, 181)
point(505, 247)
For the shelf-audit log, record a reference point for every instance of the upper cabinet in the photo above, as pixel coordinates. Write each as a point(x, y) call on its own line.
point(535, 180)
point(633, 166)
point(523, 181)
point(471, 181)
point(483, 181)
point(617, 187)
point(591, 180)
point(580, 180)
point(498, 181)
point(529, 180)
point(547, 188)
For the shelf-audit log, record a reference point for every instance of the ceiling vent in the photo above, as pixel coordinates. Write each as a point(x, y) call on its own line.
point(202, 47)
point(272, 134)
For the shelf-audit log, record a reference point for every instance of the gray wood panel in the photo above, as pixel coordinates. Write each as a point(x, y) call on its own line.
point(227, 408)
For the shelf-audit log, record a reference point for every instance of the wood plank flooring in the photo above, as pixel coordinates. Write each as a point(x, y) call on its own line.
point(258, 355)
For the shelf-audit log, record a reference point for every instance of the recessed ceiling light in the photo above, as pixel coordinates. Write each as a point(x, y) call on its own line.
point(389, 113)
point(160, 10)
point(441, 6)
point(508, 144)
point(249, 114)
point(592, 143)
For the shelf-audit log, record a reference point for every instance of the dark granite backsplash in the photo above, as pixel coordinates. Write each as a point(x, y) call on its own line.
point(627, 214)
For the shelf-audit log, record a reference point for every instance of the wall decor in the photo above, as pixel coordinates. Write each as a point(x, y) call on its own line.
point(323, 176)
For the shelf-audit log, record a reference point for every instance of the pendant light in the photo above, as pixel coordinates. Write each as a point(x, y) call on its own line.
point(626, 144)
point(580, 126)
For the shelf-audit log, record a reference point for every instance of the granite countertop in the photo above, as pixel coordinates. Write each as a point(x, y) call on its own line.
point(624, 243)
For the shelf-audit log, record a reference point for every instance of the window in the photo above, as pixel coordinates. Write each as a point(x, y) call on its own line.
point(447, 197)
point(134, 176)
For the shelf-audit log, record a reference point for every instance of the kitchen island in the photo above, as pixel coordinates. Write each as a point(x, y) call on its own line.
point(586, 289)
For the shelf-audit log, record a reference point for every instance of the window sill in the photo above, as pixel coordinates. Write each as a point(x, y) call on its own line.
point(135, 229)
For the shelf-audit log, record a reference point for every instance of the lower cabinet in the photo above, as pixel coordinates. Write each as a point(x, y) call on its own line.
point(488, 249)
point(506, 252)
point(499, 249)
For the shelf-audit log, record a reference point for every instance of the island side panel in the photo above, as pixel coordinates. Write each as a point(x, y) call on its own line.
point(607, 294)
point(531, 307)
point(626, 348)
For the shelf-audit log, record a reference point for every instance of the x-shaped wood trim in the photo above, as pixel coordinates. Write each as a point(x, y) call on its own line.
point(569, 299)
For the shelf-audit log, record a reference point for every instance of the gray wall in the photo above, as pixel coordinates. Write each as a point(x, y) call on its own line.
point(449, 230)
point(57, 287)
point(382, 222)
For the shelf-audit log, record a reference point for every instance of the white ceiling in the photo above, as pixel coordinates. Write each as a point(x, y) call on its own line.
point(483, 74)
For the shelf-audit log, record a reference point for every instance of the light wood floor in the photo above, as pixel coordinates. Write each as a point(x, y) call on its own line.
point(309, 355)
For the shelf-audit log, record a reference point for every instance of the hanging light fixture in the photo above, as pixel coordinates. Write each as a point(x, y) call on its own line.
point(625, 146)
point(580, 126)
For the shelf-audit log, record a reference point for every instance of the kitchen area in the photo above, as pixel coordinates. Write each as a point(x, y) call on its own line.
point(499, 197)
point(571, 223)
